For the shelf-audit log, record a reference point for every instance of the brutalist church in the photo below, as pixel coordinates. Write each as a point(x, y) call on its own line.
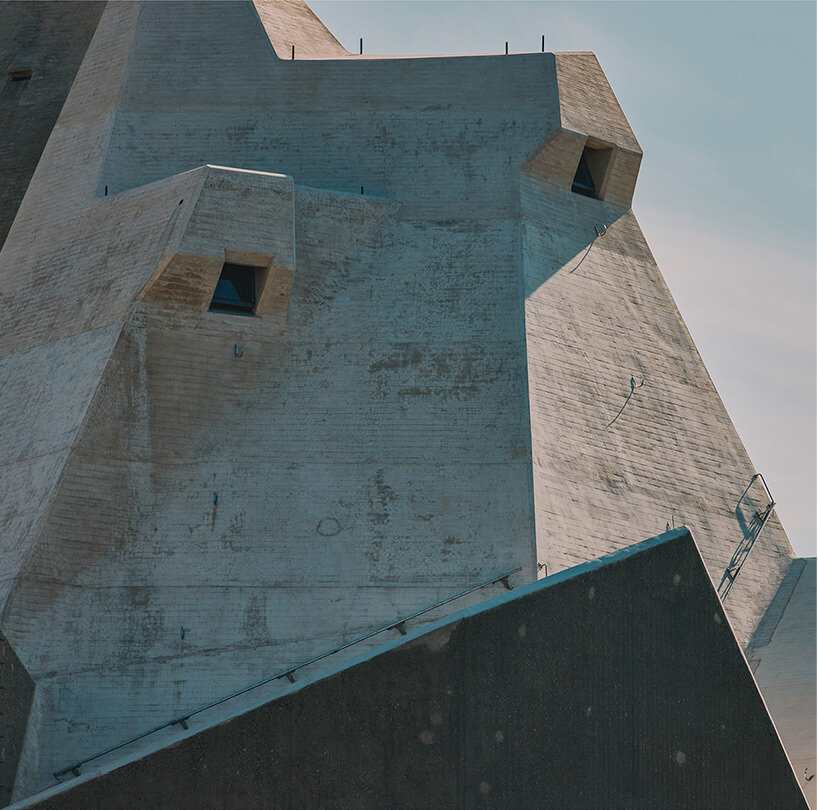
point(343, 412)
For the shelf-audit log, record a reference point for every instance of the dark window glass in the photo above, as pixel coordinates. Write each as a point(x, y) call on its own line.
point(583, 182)
point(236, 290)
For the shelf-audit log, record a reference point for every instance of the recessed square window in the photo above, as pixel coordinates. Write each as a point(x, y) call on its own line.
point(590, 175)
point(236, 290)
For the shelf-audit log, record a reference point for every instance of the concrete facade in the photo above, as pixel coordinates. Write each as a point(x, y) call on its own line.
point(427, 396)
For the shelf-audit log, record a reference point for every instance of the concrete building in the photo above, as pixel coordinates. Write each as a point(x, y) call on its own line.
point(295, 344)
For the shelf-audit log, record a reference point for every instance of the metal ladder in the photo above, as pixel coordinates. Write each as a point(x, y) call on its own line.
point(751, 534)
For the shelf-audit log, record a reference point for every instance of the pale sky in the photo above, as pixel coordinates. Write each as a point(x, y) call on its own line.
point(722, 98)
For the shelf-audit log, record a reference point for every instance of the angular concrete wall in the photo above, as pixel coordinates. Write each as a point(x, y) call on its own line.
point(295, 31)
point(619, 684)
point(196, 499)
point(249, 518)
point(50, 38)
point(366, 455)
point(608, 461)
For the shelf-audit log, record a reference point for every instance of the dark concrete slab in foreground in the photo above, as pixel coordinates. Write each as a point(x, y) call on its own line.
point(16, 694)
point(617, 684)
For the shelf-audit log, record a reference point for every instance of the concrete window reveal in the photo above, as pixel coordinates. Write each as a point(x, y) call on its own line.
point(20, 74)
point(236, 289)
point(592, 171)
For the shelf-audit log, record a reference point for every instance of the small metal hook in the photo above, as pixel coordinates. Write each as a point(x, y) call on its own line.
point(634, 386)
point(239, 350)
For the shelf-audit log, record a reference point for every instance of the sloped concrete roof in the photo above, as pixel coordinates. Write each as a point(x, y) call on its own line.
point(617, 684)
point(291, 23)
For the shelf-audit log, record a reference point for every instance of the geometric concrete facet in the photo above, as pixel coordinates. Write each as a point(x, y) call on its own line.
point(457, 367)
point(616, 684)
point(239, 217)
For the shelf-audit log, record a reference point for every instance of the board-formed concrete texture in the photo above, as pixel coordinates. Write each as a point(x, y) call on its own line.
point(457, 367)
point(41, 47)
point(618, 684)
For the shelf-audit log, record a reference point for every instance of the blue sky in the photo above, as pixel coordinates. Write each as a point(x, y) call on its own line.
point(722, 98)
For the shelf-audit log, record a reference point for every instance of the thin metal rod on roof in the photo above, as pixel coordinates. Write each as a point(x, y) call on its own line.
point(506, 48)
point(293, 56)
point(543, 43)
point(362, 46)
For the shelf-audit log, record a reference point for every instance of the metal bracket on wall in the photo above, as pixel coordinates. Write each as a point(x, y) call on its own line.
point(634, 386)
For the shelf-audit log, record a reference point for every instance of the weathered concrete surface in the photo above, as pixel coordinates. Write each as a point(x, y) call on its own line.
point(617, 685)
point(589, 108)
point(51, 38)
point(291, 23)
point(368, 450)
point(16, 693)
point(278, 484)
point(598, 313)
point(361, 511)
point(782, 655)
